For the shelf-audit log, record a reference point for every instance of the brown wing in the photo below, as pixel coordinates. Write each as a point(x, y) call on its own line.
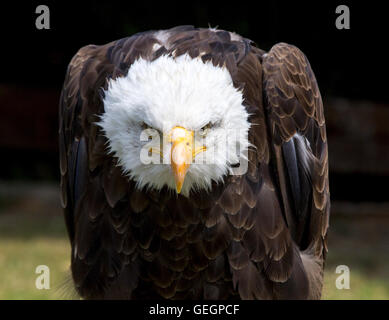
point(278, 212)
point(299, 139)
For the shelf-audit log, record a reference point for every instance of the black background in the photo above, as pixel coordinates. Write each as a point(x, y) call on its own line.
point(347, 63)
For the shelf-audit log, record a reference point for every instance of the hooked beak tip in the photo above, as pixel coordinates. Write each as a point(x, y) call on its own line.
point(180, 178)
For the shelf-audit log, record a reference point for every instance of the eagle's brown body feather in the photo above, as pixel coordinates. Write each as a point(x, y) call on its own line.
point(261, 235)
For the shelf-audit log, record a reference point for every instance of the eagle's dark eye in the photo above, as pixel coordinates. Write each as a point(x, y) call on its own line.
point(145, 126)
point(150, 131)
point(204, 130)
point(207, 126)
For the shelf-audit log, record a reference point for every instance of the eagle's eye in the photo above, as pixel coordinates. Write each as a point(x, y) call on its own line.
point(150, 130)
point(145, 126)
point(204, 130)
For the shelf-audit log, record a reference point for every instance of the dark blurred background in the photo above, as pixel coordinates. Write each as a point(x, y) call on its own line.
point(350, 65)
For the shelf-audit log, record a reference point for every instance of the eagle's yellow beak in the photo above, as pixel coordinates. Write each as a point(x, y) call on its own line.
point(182, 153)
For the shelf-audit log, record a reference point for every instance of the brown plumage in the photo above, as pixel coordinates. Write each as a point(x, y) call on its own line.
point(261, 235)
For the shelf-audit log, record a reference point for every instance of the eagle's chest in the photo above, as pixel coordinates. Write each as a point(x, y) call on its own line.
point(180, 253)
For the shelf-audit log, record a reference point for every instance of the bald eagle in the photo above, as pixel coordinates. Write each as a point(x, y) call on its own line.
point(194, 165)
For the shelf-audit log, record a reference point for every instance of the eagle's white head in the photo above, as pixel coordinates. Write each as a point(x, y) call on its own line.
point(175, 122)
